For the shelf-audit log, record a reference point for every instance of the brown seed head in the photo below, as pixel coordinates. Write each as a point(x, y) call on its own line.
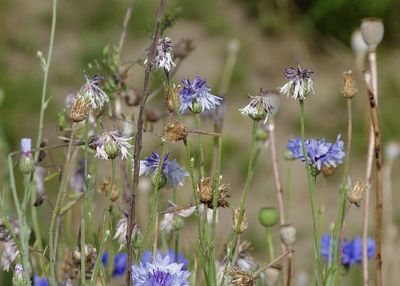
point(349, 85)
point(356, 194)
point(183, 48)
point(175, 131)
point(204, 189)
point(114, 191)
point(244, 224)
point(223, 195)
point(79, 109)
point(240, 278)
point(171, 94)
point(328, 171)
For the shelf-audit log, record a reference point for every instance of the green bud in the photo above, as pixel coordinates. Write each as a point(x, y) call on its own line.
point(112, 149)
point(177, 223)
point(26, 164)
point(18, 277)
point(288, 155)
point(260, 114)
point(261, 134)
point(196, 107)
point(268, 216)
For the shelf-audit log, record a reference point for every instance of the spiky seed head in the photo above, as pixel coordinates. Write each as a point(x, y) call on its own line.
point(356, 194)
point(288, 235)
point(372, 30)
point(171, 95)
point(349, 85)
point(205, 191)
point(243, 225)
point(79, 110)
point(175, 131)
point(240, 278)
point(223, 196)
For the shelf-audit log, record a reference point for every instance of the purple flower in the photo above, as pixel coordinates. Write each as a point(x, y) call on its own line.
point(171, 253)
point(319, 152)
point(299, 82)
point(160, 271)
point(196, 96)
point(40, 281)
point(174, 173)
point(119, 263)
point(351, 250)
point(110, 144)
point(26, 146)
point(258, 108)
point(91, 91)
point(163, 57)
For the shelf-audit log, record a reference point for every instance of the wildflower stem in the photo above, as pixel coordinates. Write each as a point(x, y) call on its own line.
point(198, 125)
point(105, 234)
point(288, 190)
point(314, 210)
point(270, 243)
point(138, 139)
point(83, 254)
point(60, 196)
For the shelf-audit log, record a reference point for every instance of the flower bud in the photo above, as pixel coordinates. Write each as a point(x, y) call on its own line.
point(79, 110)
point(18, 277)
point(177, 223)
point(271, 276)
point(288, 235)
point(372, 31)
point(26, 163)
point(349, 86)
point(243, 225)
point(268, 216)
point(196, 107)
point(287, 155)
point(112, 149)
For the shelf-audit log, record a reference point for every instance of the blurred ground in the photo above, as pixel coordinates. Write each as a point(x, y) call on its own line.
point(84, 28)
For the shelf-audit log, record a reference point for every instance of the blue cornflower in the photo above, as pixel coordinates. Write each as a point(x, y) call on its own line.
point(351, 250)
point(119, 263)
point(197, 97)
point(171, 253)
point(160, 271)
point(40, 281)
point(319, 152)
point(172, 172)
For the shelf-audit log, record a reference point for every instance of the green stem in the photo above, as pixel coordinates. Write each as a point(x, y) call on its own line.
point(154, 205)
point(105, 229)
point(312, 193)
point(198, 125)
point(270, 244)
point(38, 235)
point(83, 254)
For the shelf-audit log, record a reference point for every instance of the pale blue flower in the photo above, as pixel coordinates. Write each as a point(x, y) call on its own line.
point(174, 173)
point(26, 146)
point(196, 95)
point(299, 83)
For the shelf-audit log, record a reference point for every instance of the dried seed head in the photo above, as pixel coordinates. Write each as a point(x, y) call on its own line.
point(349, 86)
point(240, 278)
point(114, 190)
point(288, 235)
point(131, 96)
point(223, 196)
point(372, 30)
point(171, 94)
point(244, 224)
point(357, 192)
point(204, 189)
point(328, 171)
point(183, 48)
point(79, 110)
point(175, 131)
point(271, 276)
point(72, 262)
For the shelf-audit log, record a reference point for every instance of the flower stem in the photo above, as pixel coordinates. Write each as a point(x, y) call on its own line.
point(270, 243)
point(312, 193)
point(198, 125)
point(105, 234)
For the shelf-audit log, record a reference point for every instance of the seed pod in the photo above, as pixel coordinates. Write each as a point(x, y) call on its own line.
point(204, 189)
point(349, 86)
point(240, 278)
point(175, 131)
point(271, 276)
point(79, 110)
point(268, 217)
point(288, 235)
point(356, 194)
point(372, 30)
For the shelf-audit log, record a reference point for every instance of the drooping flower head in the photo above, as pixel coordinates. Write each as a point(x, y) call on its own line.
point(172, 172)
point(164, 52)
point(196, 96)
point(351, 250)
point(163, 270)
point(92, 92)
point(319, 152)
point(299, 82)
point(110, 144)
point(258, 108)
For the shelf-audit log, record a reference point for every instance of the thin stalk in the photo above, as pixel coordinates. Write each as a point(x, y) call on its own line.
point(198, 125)
point(288, 190)
point(61, 194)
point(272, 263)
point(83, 256)
point(36, 230)
point(138, 140)
point(270, 243)
point(105, 234)
point(312, 193)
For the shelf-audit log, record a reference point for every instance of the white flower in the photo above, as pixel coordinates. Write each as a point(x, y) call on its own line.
point(163, 57)
point(299, 83)
point(122, 229)
point(167, 223)
point(258, 108)
point(110, 144)
point(10, 253)
point(92, 92)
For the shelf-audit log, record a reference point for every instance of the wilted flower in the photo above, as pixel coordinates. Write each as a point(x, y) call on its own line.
point(319, 152)
point(299, 83)
point(171, 95)
point(196, 96)
point(173, 173)
point(72, 262)
point(110, 144)
point(160, 271)
point(351, 250)
point(79, 110)
point(205, 191)
point(258, 108)
point(92, 92)
point(240, 278)
point(163, 57)
point(122, 229)
point(26, 163)
point(175, 131)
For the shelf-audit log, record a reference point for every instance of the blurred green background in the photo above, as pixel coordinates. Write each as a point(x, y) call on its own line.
point(272, 35)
